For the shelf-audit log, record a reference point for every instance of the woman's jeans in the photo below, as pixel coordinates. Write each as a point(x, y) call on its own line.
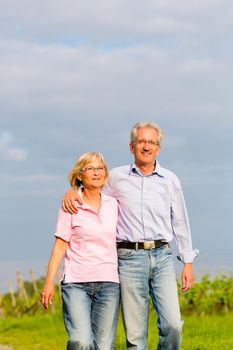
point(143, 273)
point(90, 312)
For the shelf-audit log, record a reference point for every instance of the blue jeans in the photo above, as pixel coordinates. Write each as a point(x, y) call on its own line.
point(90, 312)
point(144, 273)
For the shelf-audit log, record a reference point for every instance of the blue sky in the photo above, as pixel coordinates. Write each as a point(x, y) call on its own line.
point(75, 76)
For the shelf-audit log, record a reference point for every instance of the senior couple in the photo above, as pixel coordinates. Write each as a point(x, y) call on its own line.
point(114, 232)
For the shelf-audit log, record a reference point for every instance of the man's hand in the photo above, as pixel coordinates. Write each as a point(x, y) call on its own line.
point(69, 201)
point(187, 277)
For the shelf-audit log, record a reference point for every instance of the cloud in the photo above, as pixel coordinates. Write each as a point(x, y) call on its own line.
point(8, 151)
point(57, 80)
point(112, 21)
point(33, 178)
point(5, 138)
point(94, 60)
point(17, 154)
point(76, 75)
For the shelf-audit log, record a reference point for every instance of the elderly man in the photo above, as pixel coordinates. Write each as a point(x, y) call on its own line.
point(151, 213)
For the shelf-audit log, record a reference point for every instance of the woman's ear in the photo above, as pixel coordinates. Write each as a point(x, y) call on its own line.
point(79, 180)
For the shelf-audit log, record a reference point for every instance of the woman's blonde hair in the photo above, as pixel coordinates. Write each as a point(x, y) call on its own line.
point(81, 163)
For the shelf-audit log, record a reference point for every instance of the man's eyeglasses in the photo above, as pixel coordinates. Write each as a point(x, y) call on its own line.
point(149, 142)
point(91, 169)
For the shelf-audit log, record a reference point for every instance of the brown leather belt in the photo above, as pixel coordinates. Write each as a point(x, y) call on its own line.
point(141, 245)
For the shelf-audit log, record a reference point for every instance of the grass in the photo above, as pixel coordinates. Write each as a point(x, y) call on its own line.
point(208, 332)
point(46, 332)
point(40, 332)
point(211, 329)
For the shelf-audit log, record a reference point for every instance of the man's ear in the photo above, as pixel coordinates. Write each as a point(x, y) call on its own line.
point(131, 147)
point(158, 151)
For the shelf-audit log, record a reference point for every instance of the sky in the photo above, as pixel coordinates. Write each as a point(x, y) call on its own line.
point(75, 76)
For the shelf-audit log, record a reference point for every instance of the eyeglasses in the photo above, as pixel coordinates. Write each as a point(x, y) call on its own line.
point(91, 169)
point(150, 142)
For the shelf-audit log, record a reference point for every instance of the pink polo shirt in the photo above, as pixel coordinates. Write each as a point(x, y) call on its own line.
point(91, 255)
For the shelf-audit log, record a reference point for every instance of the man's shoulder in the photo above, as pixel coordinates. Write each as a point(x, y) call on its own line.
point(120, 169)
point(167, 173)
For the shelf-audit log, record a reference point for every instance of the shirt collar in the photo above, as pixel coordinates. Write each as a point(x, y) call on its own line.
point(158, 170)
point(104, 198)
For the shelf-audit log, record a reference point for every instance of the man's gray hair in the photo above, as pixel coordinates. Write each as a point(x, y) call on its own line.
point(145, 124)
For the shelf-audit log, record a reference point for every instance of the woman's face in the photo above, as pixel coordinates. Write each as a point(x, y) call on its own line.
point(93, 175)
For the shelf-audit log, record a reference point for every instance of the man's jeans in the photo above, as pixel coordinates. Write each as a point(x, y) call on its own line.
point(90, 312)
point(144, 273)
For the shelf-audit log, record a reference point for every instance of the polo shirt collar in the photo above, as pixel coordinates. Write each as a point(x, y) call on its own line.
point(104, 198)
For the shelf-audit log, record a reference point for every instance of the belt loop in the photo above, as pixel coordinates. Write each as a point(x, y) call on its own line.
point(136, 245)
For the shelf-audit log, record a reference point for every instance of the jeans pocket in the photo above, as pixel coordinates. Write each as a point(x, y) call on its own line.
point(167, 248)
point(124, 253)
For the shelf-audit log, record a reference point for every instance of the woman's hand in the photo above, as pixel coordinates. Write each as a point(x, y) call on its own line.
point(47, 294)
point(58, 253)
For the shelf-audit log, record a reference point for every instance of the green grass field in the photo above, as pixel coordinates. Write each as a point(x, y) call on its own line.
point(207, 313)
point(46, 332)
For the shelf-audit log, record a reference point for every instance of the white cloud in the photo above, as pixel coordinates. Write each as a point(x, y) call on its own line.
point(76, 75)
point(57, 79)
point(35, 178)
point(113, 20)
point(5, 138)
point(17, 154)
point(7, 149)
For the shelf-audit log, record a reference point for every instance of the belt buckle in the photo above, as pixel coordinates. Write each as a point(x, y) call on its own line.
point(149, 245)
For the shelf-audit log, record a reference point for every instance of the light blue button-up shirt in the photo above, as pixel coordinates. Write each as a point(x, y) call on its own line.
point(151, 207)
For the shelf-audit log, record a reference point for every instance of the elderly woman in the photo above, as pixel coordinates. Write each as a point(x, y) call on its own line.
point(87, 241)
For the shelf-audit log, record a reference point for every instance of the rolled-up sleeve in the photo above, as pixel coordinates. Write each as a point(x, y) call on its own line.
point(181, 227)
point(64, 225)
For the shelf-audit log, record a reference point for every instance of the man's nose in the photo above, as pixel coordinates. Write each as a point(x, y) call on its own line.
point(146, 145)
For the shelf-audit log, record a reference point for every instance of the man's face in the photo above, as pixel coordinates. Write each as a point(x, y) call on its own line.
point(145, 148)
